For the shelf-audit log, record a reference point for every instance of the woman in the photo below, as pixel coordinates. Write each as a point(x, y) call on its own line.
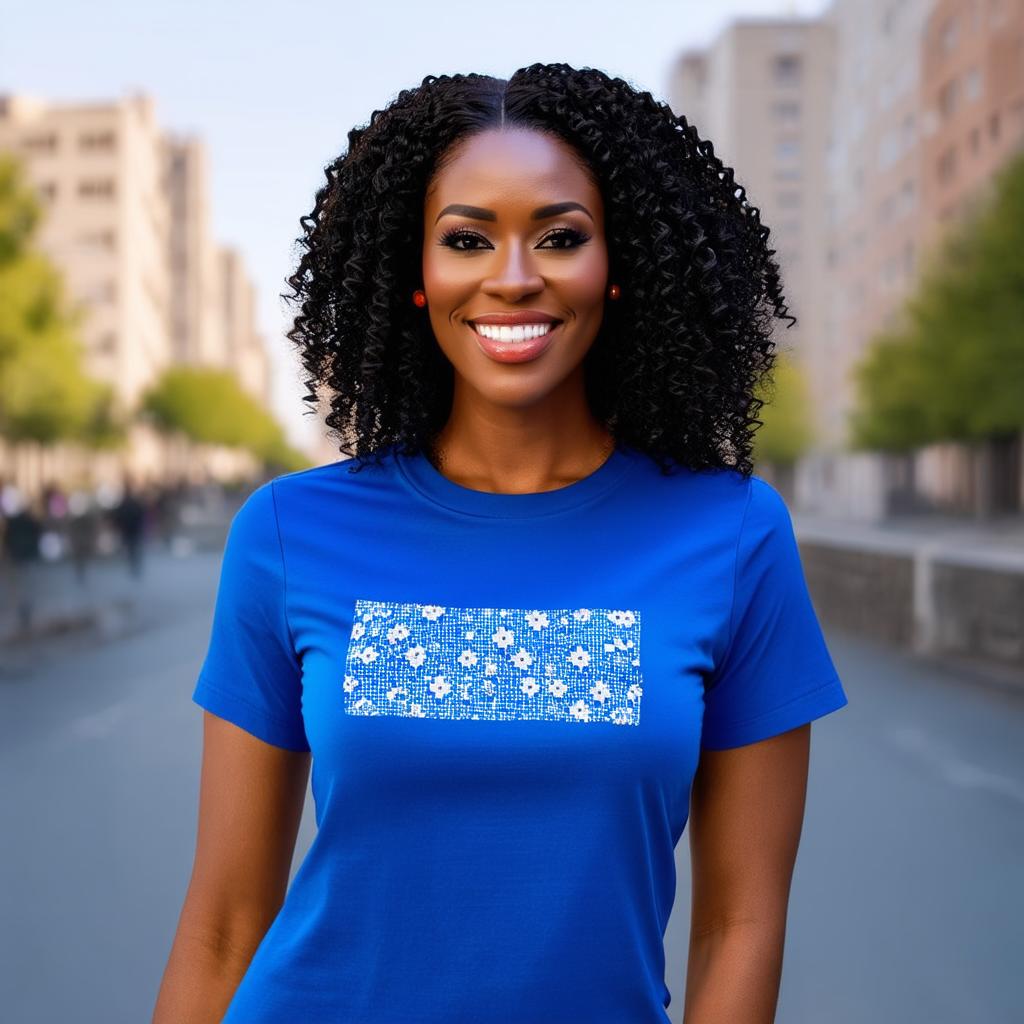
point(546, 613)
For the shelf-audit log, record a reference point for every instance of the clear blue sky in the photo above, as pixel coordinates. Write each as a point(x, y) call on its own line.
point(273, 89)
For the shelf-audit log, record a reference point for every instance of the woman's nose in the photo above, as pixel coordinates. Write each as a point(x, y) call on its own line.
point(515, 273)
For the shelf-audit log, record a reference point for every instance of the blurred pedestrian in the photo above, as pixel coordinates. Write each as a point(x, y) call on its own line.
point(129, 517)
point(21, 553)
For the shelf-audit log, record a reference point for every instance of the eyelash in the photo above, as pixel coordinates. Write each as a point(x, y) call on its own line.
point(578, 237)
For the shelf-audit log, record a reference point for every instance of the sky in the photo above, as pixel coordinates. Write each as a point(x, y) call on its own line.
point(273, 89)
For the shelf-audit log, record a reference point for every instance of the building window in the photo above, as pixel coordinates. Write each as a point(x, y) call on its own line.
point(93, 141)
point(787, 173)
point(42, 143)
point(948, 96)
point(974, 141)
point(104, 239)
point(96, 188)
point(788, 200)
point(107, 343)
point(993, 127)
point(787, 148)
point(946, 166)
point(786, 110)
point(786, 69)
point(48, 190)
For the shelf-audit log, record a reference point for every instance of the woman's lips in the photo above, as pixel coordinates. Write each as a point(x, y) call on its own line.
point(514, 351)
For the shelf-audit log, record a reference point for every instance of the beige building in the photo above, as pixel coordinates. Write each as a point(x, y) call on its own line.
point(761, 93)
point(127, 222)
point(244, 348)
point(98, 169)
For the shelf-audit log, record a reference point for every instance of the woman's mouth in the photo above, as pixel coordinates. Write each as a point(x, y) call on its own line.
point(514, 344)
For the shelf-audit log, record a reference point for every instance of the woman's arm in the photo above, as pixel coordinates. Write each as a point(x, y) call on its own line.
point(746, 815)
point(250, 805)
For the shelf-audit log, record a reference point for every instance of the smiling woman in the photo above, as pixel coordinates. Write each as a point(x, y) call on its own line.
point(544, 617)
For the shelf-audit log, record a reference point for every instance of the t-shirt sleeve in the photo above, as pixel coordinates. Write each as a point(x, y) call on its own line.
point(251, 674)
point(776, 672)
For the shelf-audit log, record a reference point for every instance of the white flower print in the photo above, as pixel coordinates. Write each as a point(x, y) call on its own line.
point(522, 658)
point(440, 687)
point(502, 637)
point(580, 658)
point(580, 711)
point(488, 664)
point(398, 632)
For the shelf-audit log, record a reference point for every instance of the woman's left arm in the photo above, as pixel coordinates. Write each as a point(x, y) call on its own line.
point(746, 816)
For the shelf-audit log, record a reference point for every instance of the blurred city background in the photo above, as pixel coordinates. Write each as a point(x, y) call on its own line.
point(154, 163)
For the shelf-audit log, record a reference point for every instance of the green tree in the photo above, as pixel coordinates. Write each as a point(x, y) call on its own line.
point(210, 407)
point(45, 393)
point(953, 370)
point(787, 430)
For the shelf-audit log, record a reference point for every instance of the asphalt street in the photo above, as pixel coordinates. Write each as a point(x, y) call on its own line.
point(907, 902)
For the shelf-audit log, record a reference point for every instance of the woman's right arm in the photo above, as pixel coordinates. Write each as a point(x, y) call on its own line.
point(250, 805)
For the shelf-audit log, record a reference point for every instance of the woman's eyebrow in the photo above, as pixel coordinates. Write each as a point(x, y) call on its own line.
point(479, 213)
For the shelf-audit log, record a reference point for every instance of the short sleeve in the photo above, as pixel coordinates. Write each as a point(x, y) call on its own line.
point(251, 674)
point(776, 672)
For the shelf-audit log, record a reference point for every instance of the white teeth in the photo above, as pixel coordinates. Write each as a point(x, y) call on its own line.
point(520, 332)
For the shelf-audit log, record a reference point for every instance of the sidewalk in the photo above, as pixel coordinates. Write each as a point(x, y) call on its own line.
point(985, 545)
point(109, 600)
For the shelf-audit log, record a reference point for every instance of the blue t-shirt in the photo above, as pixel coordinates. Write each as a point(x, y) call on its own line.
point(506, 696)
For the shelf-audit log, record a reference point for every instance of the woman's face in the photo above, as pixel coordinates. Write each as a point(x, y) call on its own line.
point(514, 225)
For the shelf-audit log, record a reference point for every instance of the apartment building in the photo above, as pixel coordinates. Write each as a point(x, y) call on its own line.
point(127, 222)
point(761, 93)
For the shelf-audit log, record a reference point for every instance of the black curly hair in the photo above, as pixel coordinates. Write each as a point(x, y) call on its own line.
point(678, 359)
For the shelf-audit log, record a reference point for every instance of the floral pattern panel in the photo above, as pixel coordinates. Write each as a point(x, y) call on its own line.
point(554, 664)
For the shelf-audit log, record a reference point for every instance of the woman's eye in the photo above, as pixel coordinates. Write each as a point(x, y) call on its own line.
point(569, 235)
point(453, 237)
point(466, 241)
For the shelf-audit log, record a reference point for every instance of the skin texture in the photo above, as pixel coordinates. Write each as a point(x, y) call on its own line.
point(512, 428)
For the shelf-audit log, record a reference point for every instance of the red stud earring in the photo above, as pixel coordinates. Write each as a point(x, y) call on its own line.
point(614, 292)
point(419, 297)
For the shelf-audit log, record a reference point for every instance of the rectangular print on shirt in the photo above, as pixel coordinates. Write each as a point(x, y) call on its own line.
point(553, 664)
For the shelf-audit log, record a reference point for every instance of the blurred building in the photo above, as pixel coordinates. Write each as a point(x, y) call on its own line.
point(127, 222)
point(762, 94)
point(972, 97)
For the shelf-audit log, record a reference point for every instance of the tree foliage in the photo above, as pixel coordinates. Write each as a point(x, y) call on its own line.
point(787, 430)
point(210, 407)
point(45, 393)
point(953, 370)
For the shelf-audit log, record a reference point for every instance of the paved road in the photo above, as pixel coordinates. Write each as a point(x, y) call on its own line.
point(907, 905)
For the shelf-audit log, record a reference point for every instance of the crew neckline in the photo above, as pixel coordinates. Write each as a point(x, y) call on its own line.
point(433, 485)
